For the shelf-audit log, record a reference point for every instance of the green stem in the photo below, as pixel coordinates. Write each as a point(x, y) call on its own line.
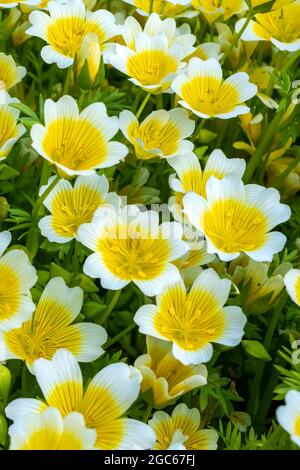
point(147, 413)
point(294, 57)
point(111, 305)
point(24, 380)
point(159, 101)
point(199, 128)
point(144, 102)
point(75, 257)
point(119, 336)
point(68, 81)
point(237, 37)
point(42, 198)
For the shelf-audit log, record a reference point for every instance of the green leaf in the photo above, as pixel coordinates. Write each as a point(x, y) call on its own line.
point(25, 110)
point(7, 173)
point(256, 349)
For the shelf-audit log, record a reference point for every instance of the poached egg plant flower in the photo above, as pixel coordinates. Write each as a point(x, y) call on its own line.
point(77, 142)
point(162, 7)
point(288, 415)
point(192, 321)
point(203, 90)
point(11, 4)
point(102, 403)
point(223, 10)
point(237, 218)
point(10, 73)
point(10, 130)
point(131, 246)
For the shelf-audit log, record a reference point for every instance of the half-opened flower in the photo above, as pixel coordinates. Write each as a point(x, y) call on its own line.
point(71, 206)
point(131, 246)
point(192, 321)
point(288, 415)
point(162, 134)
point(51, 431)
point(236, 218)
point(182, 430)
point(10, 130)
point(203, 90)
point(292, 284)
point(165, 379)
point(77, 142)
point(281, 27)
point(17, 277)
point(102, 403)
point(10, 73)
point(50, 328)
point(222, 9)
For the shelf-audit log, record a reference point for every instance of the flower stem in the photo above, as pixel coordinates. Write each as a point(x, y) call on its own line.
point(111, 305)
point(144, 102)
point(68, 81)
point(147, 413)
point(237, 37)
point(119, 336)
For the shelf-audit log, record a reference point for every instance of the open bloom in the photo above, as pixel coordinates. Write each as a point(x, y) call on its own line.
point(236, 218)
point(50, 328)
point(51, 431)
point(103, 403)
point(203, 90)
point(281, 27)
point(10, 73)
point(164, 8)
point(292, 284)
point(152, 64)
point(165, 379)
point(161, 134)
point(195, 320)
point(17, 277)
point(222, 9)
point(72, 206)
point(10, 130)
point(131, 246)
point(65, 28)
point(182, 430)
point(77, 143)
point(288, 415)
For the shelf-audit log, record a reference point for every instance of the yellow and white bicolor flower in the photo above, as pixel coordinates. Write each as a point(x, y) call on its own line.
point(288, 415)
point(192, 321)
point(131, 246)
point(182, 430)
point(77, 142)
point(10, 73)
point(43, 4)
point(155, 25)
point(223, 10)
point(51, 328)
point(237, 218)
point(103, 402)
point(51, 431)
point(10, 130)
point(65, 27)
point(72, 206)
point(17, 277)
point(162, 134)
point(206, 50)
point(165, 8)
point(292, 284)
point(165, 379)
point(152, 64)
point(203, 90)
point(281, 27)
point(11, 4)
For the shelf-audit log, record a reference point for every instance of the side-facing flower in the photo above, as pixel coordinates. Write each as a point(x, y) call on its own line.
point(203, 90)
point(182, 430)
point(192, 321)
point(165, 379)
point(51, 328)
point(165, 8)
point(225, 9)
point(72, 206)
point(292, 284)
point(103, 403)
point(288, 415)
point(10, 73)
point(161, 134)
point(131, 246)
point(10, 130)
point(77, 142)
point(51, 431)
point(17, 277)
point(238, 218)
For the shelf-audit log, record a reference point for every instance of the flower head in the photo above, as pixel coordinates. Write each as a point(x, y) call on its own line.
point(51, 431)
point(12, 4)
point(281, 27)
point(103, 403)
point(17, 277)
point(51, 328)
point(203, 90)
point(288, 415)
point(165, 379)
point(77, 143)
point(131, 246)
point(10, 130)
point(10, 73)
point(182, 430)
point(236, 218)
point(161, 134)
point(224, 9)
point(72, 206)
point(164, 8)
point(192, 321)
point(65, 28)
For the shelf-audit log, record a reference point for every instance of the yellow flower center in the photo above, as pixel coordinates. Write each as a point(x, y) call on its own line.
point(74, 143)
point(151, 67)
point(282, 24)
point(210, 96)
point(9, 292)
point(232, 226)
